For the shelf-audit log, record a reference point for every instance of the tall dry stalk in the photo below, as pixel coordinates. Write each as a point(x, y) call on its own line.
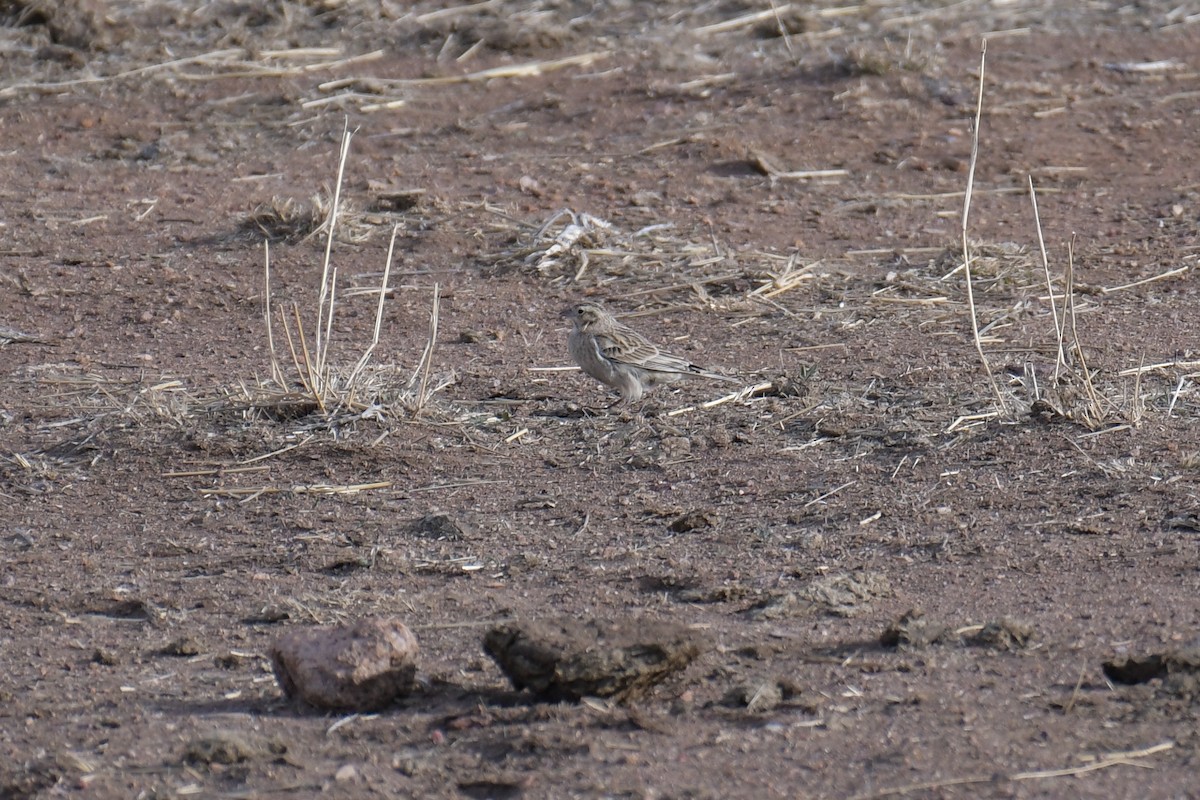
point(426, 361)
point(1060, 359)
point(326, 298)
point(966, 249)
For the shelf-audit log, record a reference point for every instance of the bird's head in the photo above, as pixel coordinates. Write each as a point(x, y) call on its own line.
point(586, 314)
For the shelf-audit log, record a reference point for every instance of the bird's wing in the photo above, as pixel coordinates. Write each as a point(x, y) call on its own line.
point(630, 347)
point(627, 348)
point(665, 362)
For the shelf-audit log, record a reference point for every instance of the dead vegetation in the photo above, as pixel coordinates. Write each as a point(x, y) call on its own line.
point(326, 388)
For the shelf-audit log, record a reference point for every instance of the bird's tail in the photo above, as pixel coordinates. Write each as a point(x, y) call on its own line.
point(716, 376)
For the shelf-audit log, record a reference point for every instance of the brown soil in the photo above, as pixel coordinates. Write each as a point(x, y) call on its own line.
point(166, 514)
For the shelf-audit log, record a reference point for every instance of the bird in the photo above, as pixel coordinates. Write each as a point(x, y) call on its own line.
point(621, 358)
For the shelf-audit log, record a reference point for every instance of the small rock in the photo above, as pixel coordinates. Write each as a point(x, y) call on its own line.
point(439, 526)
point(346, 773)
point(675, 447)
point(123, 608)
point(720, 438)
point(232, 659)
point(780, 606)
point(105, 657)
point(183, 647)
point(365, 666)
point(756, 697)
point(568, 659)
point(693, 520)
point(912, 631)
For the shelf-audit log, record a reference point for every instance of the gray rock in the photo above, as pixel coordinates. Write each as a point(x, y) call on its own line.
point(364, 666)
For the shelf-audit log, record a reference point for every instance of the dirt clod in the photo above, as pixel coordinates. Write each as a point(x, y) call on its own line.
point(568, 659)
point(913, 631)
point(230, 747)
point(1179, 671)
point(79, 24)
point(1005, 634)
point(693, 520)
point(842, 595)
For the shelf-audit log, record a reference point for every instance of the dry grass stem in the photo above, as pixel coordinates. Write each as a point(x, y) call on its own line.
point(766, 165)
point(971, 420)
point(213, 471)
point(251, 69)
point(274, 453)
point(1137, 405)
point(383, 294)
point(1072, 319)
point(1037, 219)
point(427, 355)
point(233, 62)
point(791, 277)
point(1145, 66)
point(454, 11)
point(1100, 432)
point(966, 250)
point(915, 301)
point(1163, 365)
point(366, 101)
point(1001, 190)
point(753, 18)
point(783, 31)
point(822, 498)
point(1168, 274)
point(250, 492)
point(311, 376)
point(276, 372)
point(1105, 761)
point(529, 70)
point(53, 86)
point(674, 287)
point(733, 397)
point(325, 299)
point(1179, 386)
point(1070, 704)
point(13, 336)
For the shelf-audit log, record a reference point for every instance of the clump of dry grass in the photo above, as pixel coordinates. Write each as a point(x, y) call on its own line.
point(304, 378)
point(1073, 390)
point(285, 219)
point(1076, 391)
point(579, 248)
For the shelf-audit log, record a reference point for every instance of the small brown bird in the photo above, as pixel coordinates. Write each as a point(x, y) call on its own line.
point(623, 359)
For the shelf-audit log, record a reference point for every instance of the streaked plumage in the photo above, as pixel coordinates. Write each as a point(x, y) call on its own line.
point(621, 358)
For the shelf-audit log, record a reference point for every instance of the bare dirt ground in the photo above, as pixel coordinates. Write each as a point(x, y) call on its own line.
point(784, 208)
